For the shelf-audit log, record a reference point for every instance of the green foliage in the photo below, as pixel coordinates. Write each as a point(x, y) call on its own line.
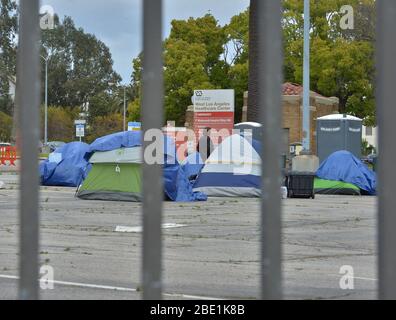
point(342, 62)
point(203, 31)
point(5, 127)
point(60, 123)
point(8, 27)
point(237, 49)
point(80, 66)
point(367, 148)
point(104, 125)
point(184, 72)
point(134, 110)
point(103, 104)
point(193, 59)
point(239, 80)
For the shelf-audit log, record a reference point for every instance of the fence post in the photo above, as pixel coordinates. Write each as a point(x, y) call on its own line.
point(152, 117)
point(269, 82)
point(28, 100)
point(386, 77)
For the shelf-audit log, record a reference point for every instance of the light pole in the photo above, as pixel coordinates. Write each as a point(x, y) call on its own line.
point(124, 108)
point(306, 103)
point(46, 101)
point(124, 111)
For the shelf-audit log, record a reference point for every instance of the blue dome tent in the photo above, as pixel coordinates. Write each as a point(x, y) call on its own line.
point(341, 168)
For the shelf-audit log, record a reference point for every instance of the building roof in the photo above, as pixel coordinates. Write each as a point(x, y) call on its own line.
point(338, 116)
point(293, 89)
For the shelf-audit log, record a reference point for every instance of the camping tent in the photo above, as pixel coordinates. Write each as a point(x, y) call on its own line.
point(343, 173)
point(66, 166)
point(193, 165)
point(233, 169)
point(116, 170)
point(323, 186)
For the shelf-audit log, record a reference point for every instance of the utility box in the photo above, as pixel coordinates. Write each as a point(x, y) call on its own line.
point(338, 132)
point(305, 163)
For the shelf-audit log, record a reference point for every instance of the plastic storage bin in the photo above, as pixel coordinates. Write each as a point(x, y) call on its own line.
point(300, 185)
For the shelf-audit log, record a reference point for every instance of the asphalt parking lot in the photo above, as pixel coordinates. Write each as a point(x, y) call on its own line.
point(213, 254)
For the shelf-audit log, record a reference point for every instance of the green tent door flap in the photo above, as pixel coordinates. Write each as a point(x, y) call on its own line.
point(112, 181)
point(322, 186)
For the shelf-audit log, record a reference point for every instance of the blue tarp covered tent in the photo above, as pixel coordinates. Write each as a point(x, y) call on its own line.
point(344, 166)
point(176, 183)
point(66, 166)
point(193, 164)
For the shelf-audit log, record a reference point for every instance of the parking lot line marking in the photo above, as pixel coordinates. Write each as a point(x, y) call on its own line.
point(359, 278)
point(96, 286)
point(140, 229)
point(362, 278)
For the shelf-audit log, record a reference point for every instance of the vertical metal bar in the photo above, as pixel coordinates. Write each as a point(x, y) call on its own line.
point(28, 79)
point(306, 139)
point(270, 59)
point(386, 77)
point(46, 103)
point(152, 117)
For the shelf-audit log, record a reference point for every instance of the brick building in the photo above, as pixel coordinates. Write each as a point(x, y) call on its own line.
point(292, 111)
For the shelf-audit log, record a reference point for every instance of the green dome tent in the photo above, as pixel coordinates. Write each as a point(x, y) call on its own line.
point(115, 175)
point(116, 170)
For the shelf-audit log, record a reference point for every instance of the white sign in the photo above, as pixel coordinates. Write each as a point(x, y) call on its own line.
point(80, 132)
point(221, 100)
point(134, 126)
point(76, 122)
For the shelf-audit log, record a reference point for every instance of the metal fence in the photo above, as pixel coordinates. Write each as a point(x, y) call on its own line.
point(269, 89)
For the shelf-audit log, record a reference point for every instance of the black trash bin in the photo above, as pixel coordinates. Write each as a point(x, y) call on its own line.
point(300, 184)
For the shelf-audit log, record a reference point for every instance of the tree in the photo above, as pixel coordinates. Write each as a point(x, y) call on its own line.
point(8, 28)
point(236, 51)
point(102, 104)
point(134, 110)
point(184, 72)
point(60, 123)
point(253, 109)
point(5, 127)
point(207, 32)
point(236, 54)
point(101, 126)
point(80, 65)
point(342, 62)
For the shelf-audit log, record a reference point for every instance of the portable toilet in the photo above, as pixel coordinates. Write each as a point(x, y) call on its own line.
point(338, 132)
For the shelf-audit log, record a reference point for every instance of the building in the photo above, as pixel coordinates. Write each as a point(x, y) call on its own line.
point(370, 134)
point(292, 114)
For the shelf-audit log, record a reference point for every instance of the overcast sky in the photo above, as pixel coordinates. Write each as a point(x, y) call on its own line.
point(118, 22)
